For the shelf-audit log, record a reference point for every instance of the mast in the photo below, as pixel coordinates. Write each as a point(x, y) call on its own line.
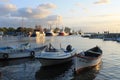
point(22, 22)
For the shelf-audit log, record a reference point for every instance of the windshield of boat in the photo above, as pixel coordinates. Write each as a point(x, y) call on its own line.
point(50, 48)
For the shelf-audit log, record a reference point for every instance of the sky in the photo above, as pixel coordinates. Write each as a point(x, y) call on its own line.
point(85, 15)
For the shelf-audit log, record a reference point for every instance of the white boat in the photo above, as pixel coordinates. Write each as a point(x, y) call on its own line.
point(37, 34)
point(89, 58)
point(51, 56)
point(23, 51)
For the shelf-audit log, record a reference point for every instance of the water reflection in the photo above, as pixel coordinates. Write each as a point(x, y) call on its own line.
point(40, 39)
point(4, 63)
point(31, 69)
point(89, 73)
point(22, 69)
point(53, 72)
point(66, 72)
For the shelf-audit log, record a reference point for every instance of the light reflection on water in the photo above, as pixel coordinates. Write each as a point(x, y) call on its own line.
point(27, 69)
point(58, 72)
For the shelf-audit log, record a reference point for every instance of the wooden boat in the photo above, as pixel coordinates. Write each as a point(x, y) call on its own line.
point(23, 51)
point(51, 56)
point(89, 58)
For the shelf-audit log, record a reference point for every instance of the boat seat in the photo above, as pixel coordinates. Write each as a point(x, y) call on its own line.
point(91, 54)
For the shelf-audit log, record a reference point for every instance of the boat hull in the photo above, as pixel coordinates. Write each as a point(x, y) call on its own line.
point(53, 58)
point(16, 54)
point(51, 62)
point(83, 63)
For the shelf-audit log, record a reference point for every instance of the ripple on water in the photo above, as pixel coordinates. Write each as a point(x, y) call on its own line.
point(31, 70)
point(25, 71)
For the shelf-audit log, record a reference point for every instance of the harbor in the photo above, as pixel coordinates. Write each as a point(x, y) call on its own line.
point(31, 69)
point(50, 40)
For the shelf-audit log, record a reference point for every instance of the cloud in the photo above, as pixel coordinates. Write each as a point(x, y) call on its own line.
point(30, 22)
point(32, 13)
point(7, 9)
point(4, 0)
point(81, 6)
point(10, 15)
point(54, 19)
point(41, 11)
point(108, 15)
point(102, 2)
point(78, 4)
point(47, 6)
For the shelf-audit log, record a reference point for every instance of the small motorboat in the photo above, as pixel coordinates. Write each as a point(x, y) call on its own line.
point(23, 51)
point(52, 56)
point(89, 58)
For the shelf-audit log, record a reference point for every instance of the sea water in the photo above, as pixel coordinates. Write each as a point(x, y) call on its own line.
point(30, 69)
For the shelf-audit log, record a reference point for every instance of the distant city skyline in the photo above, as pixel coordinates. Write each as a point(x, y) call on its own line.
point(87, 15)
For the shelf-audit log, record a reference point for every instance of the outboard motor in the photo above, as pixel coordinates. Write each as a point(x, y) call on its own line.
point(69, 48)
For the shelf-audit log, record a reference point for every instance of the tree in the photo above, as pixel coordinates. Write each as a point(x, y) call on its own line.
point(20, 29)
point(10, 29)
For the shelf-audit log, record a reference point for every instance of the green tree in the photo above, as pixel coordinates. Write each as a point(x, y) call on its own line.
point(11, 29)
point(20, 29)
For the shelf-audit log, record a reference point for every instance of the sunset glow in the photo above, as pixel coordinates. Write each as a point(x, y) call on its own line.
point(87, 15)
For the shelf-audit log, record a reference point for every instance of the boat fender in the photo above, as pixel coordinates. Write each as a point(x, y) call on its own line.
point(32, 54)
point(5, 56)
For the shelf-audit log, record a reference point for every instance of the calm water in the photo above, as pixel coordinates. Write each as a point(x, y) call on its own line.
point(30, 69)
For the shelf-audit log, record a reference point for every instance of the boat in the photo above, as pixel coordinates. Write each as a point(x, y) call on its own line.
point(38, 32)
point(62, 33)
point(22, 51)
point(50, 32)
point(87, 59)
point(52, 56)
